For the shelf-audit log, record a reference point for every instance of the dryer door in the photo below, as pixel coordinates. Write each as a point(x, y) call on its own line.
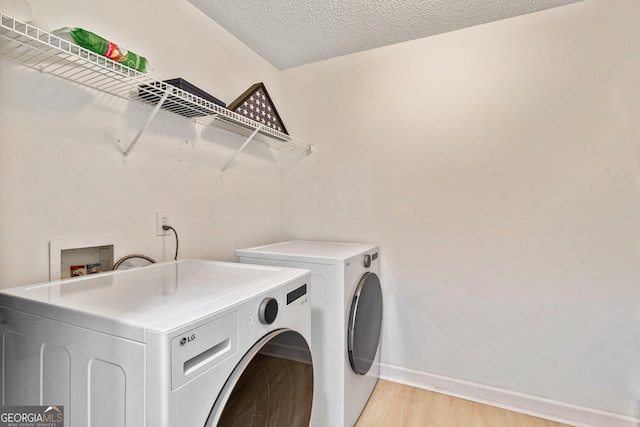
point(271, 386)
point(365, 322)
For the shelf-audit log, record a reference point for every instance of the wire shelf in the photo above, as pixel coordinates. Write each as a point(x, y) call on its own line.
point(46, 52)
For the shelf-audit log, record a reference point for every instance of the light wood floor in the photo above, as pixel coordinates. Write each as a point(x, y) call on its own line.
point(396, 405)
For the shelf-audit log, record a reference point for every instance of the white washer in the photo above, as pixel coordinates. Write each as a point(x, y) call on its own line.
point(188, 343)
point(346, 300)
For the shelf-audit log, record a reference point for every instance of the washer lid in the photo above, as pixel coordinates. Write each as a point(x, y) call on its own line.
point(307, 251)
point(159, 297)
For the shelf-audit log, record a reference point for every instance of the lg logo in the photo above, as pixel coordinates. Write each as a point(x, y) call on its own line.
point(185, 340)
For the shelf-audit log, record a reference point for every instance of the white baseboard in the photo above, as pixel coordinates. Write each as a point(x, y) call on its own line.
point(566, 413)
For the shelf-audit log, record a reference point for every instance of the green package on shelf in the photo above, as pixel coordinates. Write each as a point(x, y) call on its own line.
point(101, 46)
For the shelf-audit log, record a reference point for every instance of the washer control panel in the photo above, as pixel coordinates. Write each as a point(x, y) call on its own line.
point(367, 259)
point(268, 310)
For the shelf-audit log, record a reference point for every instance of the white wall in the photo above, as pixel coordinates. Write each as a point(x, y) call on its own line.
point(499, 169)
point(496, 166)
point(60, 160)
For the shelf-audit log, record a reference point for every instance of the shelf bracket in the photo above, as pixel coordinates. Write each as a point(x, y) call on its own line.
point(224, 168)
point(145, 126)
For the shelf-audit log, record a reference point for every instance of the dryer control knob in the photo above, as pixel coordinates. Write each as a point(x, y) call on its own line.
point(366, 260)
point(268, 311)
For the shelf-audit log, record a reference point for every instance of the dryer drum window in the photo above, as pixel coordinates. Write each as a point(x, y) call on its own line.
point(365, 323)
point(271, 386)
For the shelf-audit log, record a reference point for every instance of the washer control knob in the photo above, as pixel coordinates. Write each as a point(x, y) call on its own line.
point(268, 311)
point(366, 260)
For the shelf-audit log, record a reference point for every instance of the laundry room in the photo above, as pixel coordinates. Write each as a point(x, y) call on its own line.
point(496, 167)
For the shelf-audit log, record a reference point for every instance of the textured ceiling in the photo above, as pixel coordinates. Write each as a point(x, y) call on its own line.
point(290, 33)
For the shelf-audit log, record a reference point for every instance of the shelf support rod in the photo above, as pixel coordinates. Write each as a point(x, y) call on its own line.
point(147, 123)
point(224, 168)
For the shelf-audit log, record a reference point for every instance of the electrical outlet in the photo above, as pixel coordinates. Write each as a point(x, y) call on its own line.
point(162, 218)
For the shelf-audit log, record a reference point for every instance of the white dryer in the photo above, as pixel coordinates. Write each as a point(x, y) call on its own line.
point(188, 343)
point(346, 319)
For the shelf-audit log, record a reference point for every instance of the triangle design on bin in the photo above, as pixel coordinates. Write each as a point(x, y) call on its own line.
point(256, 104)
